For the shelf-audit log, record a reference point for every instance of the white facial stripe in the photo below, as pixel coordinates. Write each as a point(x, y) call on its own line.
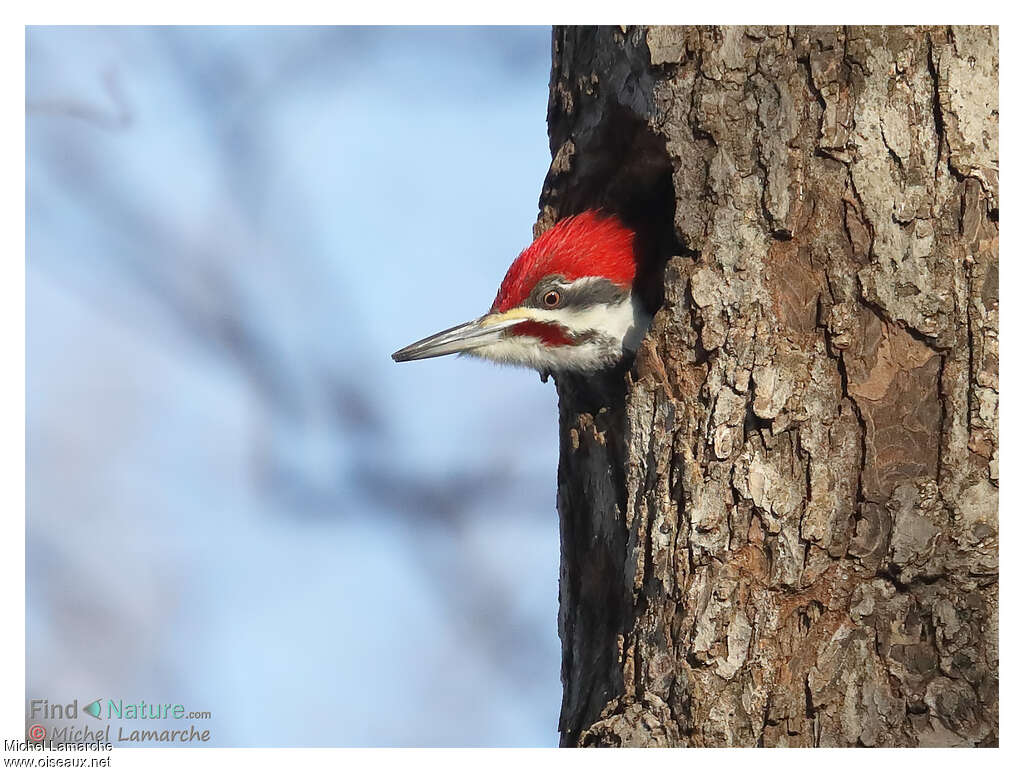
point(618, 327)
point(612, 320)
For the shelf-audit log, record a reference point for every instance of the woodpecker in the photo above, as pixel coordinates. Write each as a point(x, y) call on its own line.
point(566, 304)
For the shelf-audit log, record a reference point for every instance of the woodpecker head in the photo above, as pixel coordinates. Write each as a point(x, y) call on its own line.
point(565, 305)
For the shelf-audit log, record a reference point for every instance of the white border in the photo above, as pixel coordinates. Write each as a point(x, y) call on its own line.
point(12, 557)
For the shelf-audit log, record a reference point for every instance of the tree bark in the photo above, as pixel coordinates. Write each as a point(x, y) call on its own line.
point(779, 527)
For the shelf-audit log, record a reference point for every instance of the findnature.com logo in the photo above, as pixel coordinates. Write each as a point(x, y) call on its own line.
point(114, 710)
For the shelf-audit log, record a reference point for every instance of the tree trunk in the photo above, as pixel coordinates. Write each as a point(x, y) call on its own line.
point(779, 527)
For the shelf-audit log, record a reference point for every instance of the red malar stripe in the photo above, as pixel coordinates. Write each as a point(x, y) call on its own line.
point(549, 333)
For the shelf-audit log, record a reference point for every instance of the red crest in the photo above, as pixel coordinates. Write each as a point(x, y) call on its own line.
point(589, 244)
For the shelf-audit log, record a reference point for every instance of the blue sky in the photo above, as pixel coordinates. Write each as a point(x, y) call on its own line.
point(235, 499)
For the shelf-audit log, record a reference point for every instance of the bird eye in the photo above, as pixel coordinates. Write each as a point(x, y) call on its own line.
point(551, 298)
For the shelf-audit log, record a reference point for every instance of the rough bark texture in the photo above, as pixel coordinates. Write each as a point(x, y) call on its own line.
point(780, 526)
